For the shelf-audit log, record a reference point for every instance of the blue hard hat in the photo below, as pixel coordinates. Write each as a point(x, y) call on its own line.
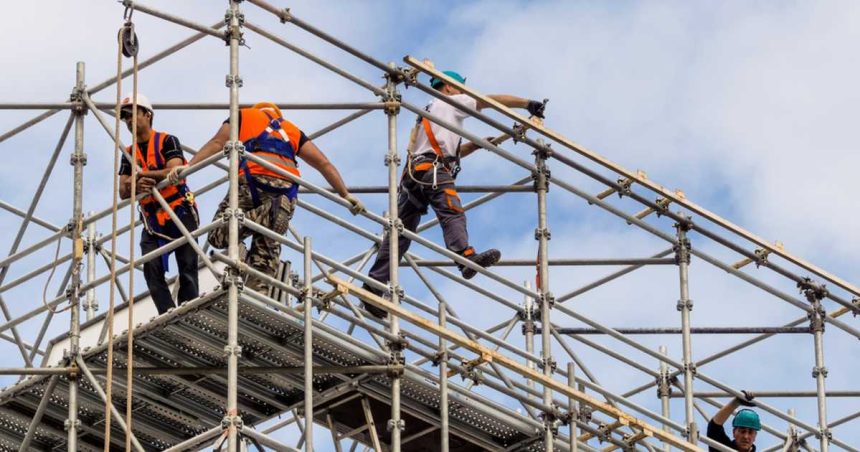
point(436, 82)
point(748, 419)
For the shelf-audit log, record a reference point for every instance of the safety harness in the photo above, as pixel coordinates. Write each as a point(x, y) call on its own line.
point(177, 196)
point(423, 163)
point(270, 142)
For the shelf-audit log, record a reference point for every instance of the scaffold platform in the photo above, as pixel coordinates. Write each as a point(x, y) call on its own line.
point(180, 385)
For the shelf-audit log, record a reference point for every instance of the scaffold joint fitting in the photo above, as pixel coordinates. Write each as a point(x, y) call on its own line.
point(682, 250)
point(691, 367)
point(816, 318)
point(542, 232)
point(392, 106)
point(664, 384)
point(229, 213)
point(392, 158)
point(233, 350)
point(692, 432)
point(78, 158)
point(816, 371)
point(232, 421)
point(528, 326)
point(662, 206)
point(67, 425)
point(542, 153)
point(584, 413)
point(232, 277)
point(396, 346)
point(230, 145)
point(399, 424)
point(602, 433)
point(812, 290)
point(552, 364)
point(231, 80)
point(286, 16)
point(438, 357)
point(624, 185)
point(684, 224)
point(684, 304)
point(856, 303)
point(824, 432)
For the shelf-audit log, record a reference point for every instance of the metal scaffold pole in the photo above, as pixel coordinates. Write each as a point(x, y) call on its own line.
point(572, 410)
point(233, 278)
point(307, 294)
point(814, 293)
point(92, 251)
point(396, 346)
point(78, 161)
point(685, 305)
point(664, 389)
point(542, 235)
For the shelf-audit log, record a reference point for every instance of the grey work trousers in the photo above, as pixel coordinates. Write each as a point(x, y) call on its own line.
point(412, 201)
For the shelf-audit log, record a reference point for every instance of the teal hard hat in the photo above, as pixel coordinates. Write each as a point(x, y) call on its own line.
point(436, 82)
point(748, 419)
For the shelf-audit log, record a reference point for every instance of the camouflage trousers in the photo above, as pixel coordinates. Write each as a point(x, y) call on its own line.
point(274, 213)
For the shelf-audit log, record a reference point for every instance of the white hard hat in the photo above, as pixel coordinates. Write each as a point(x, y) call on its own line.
point(142, 101)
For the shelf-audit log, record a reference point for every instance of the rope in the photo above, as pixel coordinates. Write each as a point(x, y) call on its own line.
point(48, 283)
point(126, 45)
point(131, 243)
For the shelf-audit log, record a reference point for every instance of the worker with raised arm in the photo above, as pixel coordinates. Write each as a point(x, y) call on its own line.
point(158, 153)
point(429, 175)
point(745, 425)
point(268, 197)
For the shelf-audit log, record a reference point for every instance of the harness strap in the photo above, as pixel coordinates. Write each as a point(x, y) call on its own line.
point(432, 139)
point(159, 162)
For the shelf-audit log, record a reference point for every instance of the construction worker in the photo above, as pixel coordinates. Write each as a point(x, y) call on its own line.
point(157, 153)
point(265, 196)
point(428, 180)
point(745, 425)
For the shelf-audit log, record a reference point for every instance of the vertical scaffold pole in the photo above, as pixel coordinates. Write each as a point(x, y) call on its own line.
point(392, 161)
point(664, 389)
point(78, 161)
point(443, 380)
point(529, 330)
point(309, 347)
point(685, 305)
point(542, 235)
point(90, 305)
point(814, 293)
point(572, 409)
point(232, 420)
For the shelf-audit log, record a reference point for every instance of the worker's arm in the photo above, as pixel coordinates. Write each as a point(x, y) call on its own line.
point(535, 107)
point(468, 148)
point(726, 411)
point(310, 153)
point(143, 184)
point(159, 175)
point(216, 144)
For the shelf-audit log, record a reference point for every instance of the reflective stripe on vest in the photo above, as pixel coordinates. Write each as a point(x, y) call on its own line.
point(273, 139)
point(174, 195)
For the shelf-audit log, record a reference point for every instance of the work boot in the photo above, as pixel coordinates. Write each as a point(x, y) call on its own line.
point(486, 259)
point(371, 309)
point(282, 212)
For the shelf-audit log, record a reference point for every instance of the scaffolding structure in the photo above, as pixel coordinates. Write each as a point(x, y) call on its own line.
point(235, 358)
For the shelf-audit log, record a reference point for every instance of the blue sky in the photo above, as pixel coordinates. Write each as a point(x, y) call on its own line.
point(746, 107)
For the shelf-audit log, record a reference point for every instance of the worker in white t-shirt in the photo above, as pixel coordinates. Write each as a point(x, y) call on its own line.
point(428, 179)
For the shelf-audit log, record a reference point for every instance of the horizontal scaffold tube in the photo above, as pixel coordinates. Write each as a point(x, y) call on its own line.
point(693, 330)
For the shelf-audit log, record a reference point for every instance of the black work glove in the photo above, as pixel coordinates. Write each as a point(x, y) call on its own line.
point(747, 399)
point(536, 107)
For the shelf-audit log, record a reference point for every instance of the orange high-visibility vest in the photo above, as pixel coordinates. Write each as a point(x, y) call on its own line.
point(260, 132)
point(173, 194)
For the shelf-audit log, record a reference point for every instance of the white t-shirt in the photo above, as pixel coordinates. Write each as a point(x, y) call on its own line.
point(447, 140)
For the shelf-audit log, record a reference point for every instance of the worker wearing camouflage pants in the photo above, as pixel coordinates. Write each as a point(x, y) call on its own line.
point(274, 212)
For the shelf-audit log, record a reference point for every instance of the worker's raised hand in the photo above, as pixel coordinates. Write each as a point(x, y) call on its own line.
point(173, 176)
point(747, 399)
point(356, 207)
point(537, 108)
point(145, 183)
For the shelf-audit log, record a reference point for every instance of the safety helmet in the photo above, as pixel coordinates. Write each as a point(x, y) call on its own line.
point(269, 106)
point(436, 82)
point(142, 101)
point(748, 419)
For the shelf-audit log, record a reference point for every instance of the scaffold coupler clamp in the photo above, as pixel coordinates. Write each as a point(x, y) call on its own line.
point(813, 291)
point(662, 205)
point(684, 304)
point(392, 159)
point(230, 145)
point(544, 298)
point(527, 316)
point(825, 433)
point(234, 32)
point(584, 413)
point(233, 276)
point(471, 371)
point(552, 419)
point(230, 213)
point(400, 424)
point(664, 384)
point(692, 432)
